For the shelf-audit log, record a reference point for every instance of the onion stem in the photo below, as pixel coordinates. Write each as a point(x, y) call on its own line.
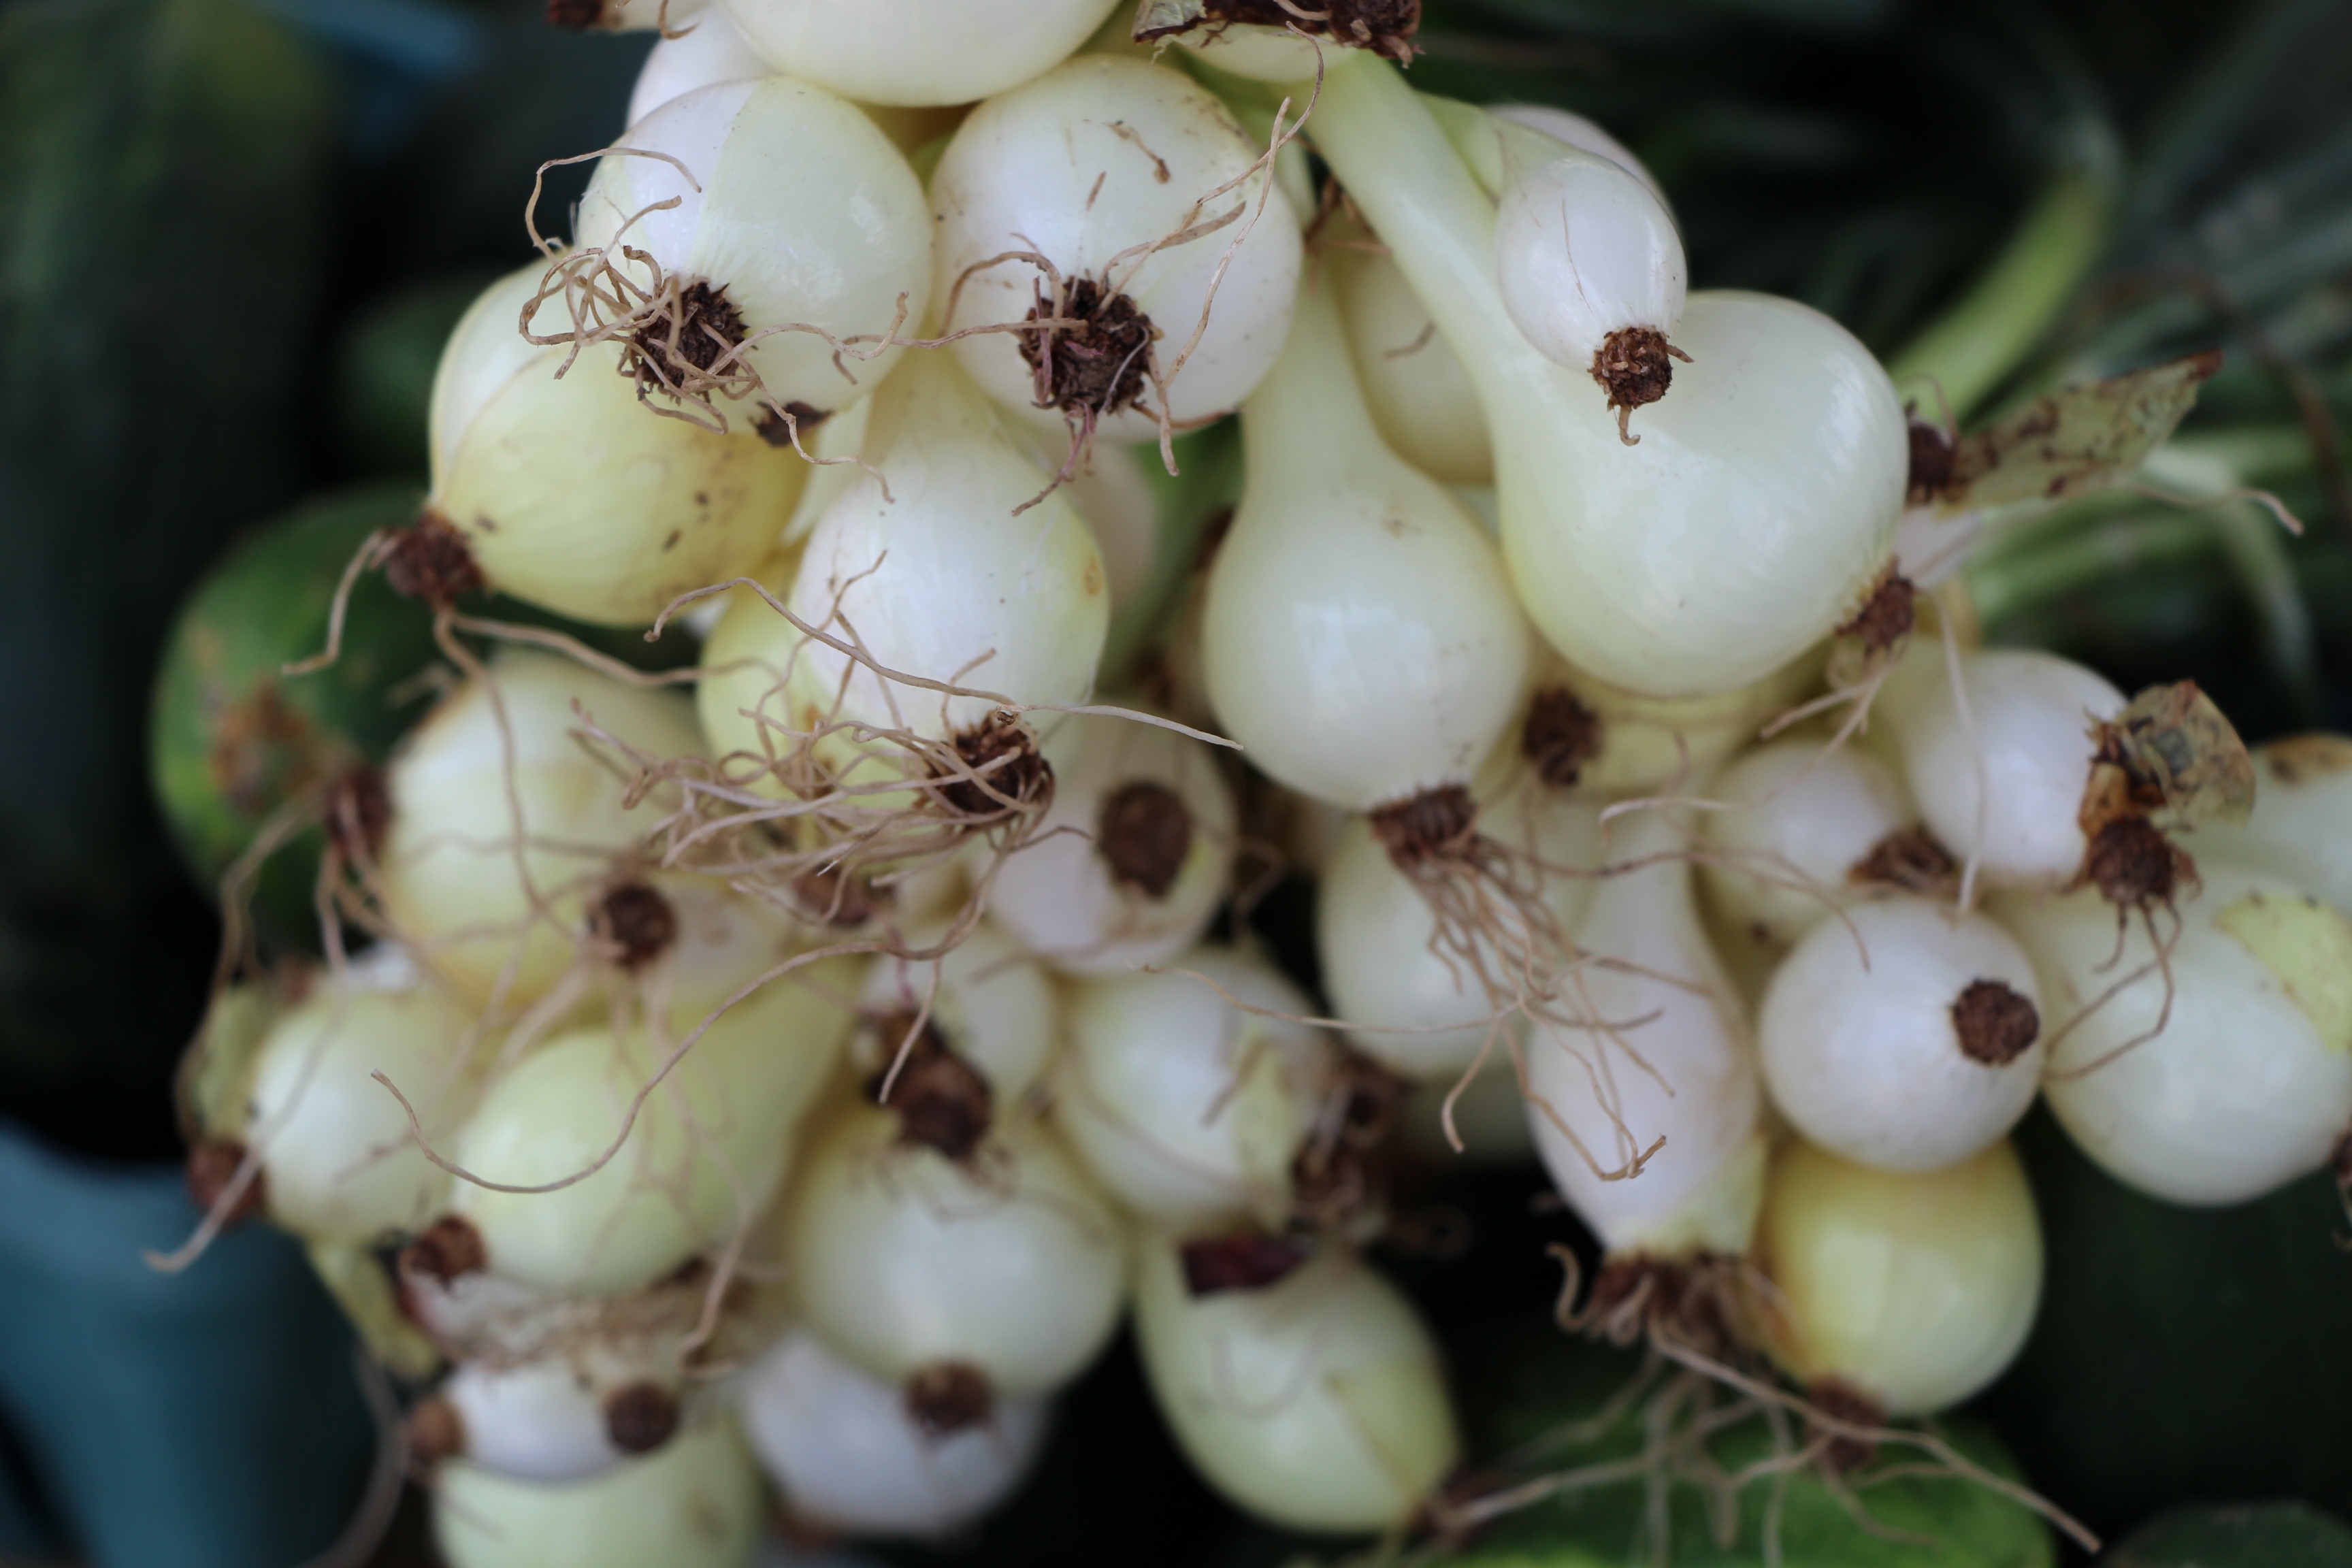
point(1975, 344)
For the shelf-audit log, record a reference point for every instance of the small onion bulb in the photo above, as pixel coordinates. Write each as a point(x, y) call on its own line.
point(845, 1453)
point(2249, 1083)
point(1904, 1037)
point(2302, 808)
point(2003, 782)
point(711, 51)
point(1088, 166)
point(839, 241)
point(1128, 865)
point(992, 1003)
point(1188, 1110)
point(1913, 1290)
point(463, 860)
point(1013, 1265)
point(1317, 1403)
point(1797, 842)
point(707, 1148)
point(567, 494)
point(336, 1156)
point(1421, 398)
point(693, 1503)
point(1361, 638)
point(1416, 1011)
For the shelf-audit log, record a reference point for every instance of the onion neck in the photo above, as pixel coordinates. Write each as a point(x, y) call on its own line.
point(1309, 422)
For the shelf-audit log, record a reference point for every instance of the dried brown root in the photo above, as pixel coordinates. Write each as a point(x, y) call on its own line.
point(435, 1432)
point(1384, 26)
point(943, 1102)
point(1560, 736)
point(1638, 1299)
point(634, 923)
point(948, 1397)
point(1887, 616)
point(428, 560)
point(213, 1169)
point(449, 1248)
point(1934, 453)
point(1995, 1024)
point(640, 1416)
point(1341, 1174)
point(1634, 365)
point(1909, 860)
point(1244, 1260)
point(1144, 834)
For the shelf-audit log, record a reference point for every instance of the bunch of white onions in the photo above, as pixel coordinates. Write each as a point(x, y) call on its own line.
point(803, 1076)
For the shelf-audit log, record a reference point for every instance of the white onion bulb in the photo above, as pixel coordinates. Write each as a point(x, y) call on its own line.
point(709, 51)
point(991, 1002)
point(1130, 864)
point(846, 1455)
point(1601, 740)
point(1801, 823)
point(1421, 398)
point(336, 1156)
point(693, 1503)
point(456, 855)
point(2302, 809)
point(565, 1415)
point(1577, 132)
point(1583, 251)
point(2005, 783)
point(941, 579)
point(1699, 1093)
point(1913, 1290)
point(1096, 158)
point(1187, 1109)
point(836, 240)
point(2250, 1083)
point(903, 1259)
point(1316, 1402)
point(1757, 511)
point(706, 1150)
point(567, 494)
point(1904, 1037)
point(1360, 639)
point(917, 51)
point(1418, 1012)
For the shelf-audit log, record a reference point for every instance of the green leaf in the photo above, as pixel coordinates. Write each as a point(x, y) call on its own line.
point(2074, 440)
point(1914, 1520)
point(2263, 1536)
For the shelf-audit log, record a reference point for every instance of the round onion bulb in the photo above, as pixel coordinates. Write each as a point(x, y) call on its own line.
point(2249, 1083)
point(1911, 1291)
point(1416, 1010)
point(2003, 782)
point(846, 1455)
point(337, 1160)
point(707, 1148)
point(1088, 166)
point(1808, 833)
point(693, 1503)
point(1315, 1402)
point(711, 51)
point(912, 52)
point(565, 1415)
point(1905, 1037)
point(1131, 863)
point(1757, 511)
point(1011, 1265)
point(2302, 803)
point(1187, 1109)
point(1114, 499)
point(1421, 398)
point(840, 242)
point(941, 578)
point(506, 821)
point(1359, 638)
point(566, 494)
point(1591, 265)
point(991, 1002)
point(1651, 1044)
